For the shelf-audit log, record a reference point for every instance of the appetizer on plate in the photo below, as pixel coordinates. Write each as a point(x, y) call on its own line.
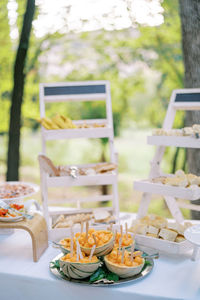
point(78, 265)
point(124, 264)
point(7, 213)
point(102, 239)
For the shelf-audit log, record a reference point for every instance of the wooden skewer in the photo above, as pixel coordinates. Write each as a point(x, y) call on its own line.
point(77, 250)
point(71, 246)
point(82, 226)
point(126, 226)
point(120, 244)
point(95, 240)
point(92, 251)
point(121, 230)
point(111, 227)
point(87, 227)
point(132, 249)
point(115, 235)
point(117, 254)
point(123, 250)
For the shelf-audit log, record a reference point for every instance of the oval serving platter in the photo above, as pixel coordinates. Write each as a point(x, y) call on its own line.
point(146, 270)
point(33, 186)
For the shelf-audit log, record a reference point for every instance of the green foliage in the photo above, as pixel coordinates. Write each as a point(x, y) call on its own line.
point(143, 65)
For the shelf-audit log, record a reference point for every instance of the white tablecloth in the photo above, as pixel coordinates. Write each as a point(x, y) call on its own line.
point(22, 279)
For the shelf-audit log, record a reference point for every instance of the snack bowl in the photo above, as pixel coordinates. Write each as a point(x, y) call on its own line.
point(122, 270)
point(79, 270)
point(63, 248)
point(100, 250)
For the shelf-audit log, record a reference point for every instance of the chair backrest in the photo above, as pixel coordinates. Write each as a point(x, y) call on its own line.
point(181, 99)
point(76, 91)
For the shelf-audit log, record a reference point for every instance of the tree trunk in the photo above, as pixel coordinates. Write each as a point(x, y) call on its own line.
point(13, 156)
point(190, 24)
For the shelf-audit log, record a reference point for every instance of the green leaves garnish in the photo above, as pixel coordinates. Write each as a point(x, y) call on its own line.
point(55, 265)
point(103, 273)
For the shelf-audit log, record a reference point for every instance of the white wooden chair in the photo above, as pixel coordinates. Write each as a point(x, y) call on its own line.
point(73, 92)
point(183, 99)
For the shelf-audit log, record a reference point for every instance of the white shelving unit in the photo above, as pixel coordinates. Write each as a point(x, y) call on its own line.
point(184, 99)
point(74, 92)
point(176, 141)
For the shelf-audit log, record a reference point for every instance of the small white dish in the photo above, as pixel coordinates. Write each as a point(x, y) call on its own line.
point(192, 234)
point(11, 219)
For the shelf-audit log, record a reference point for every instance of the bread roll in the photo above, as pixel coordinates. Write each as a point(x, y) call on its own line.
point(47, 165)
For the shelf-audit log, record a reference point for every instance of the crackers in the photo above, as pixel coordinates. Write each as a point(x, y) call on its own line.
point(158, 227)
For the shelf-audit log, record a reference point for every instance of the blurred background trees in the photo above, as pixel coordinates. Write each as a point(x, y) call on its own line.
point(190, 24)
point(142, 59)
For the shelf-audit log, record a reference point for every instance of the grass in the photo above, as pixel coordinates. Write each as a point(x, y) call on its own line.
point(134, 156)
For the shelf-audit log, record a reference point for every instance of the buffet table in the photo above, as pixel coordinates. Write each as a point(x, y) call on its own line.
point(22, 279)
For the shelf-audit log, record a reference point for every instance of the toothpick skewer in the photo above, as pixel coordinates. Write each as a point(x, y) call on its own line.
point(123, 250)
point(121, 230)
point(92, 251)
point(82, 226)
point(87, 227)
point(77, 250)
point(71, 242)
point(132, 249)
point(115, 235)
point(95, 240)
point(120, 244)
point(126, 227)
point(111, 227)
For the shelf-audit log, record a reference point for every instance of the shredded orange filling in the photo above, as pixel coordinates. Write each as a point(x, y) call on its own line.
point(84, 260)
point(116, 258)
point(126, 240)
point(95, 237)
point(67, 242)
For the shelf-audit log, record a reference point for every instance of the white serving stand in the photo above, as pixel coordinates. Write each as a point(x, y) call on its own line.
point(183, 99)
point(74, 92)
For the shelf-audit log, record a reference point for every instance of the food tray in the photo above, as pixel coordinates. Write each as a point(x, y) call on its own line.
point(176, 141)
point(163, 245)
point(141, 275)
point(167, 190)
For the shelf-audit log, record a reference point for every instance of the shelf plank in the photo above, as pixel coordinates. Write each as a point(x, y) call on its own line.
point(84, 180)
point(167, 190)
point(77, 133)
point(177, 141)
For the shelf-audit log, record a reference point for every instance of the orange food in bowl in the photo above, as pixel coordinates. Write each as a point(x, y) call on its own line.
point(95, 237)
point(127, 240)
point(84, 260)
point(116, 258)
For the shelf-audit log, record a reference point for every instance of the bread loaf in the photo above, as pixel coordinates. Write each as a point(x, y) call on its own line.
point(47, 165)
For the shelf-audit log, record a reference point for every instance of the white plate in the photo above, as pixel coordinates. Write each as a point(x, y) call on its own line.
point(192, 234)
point(35, 188)
point(11, 219)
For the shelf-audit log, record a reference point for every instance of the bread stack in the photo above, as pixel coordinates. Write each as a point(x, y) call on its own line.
point(158, 227)
point(63, 221)
point(186, 131)
point(180, 179)
point(48, 166)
